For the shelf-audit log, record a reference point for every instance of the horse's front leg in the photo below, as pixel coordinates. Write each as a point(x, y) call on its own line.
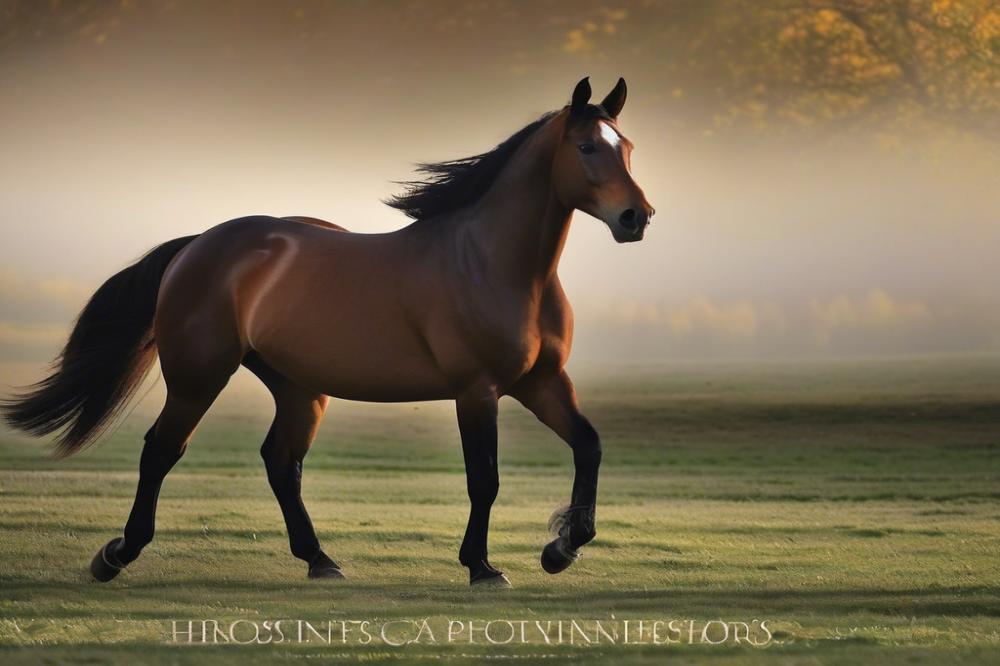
point(477, 421)
point(549, 394)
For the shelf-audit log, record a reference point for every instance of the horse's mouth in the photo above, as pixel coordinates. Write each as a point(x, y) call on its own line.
point(622, 235)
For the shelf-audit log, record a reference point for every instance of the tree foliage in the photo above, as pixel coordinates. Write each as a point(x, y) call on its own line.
point(839, 63)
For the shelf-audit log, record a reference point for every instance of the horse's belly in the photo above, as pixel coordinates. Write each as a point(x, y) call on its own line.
point(367, 358)
point(375, 375)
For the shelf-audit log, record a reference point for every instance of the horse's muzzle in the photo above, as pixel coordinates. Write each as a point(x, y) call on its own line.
point(632, 223)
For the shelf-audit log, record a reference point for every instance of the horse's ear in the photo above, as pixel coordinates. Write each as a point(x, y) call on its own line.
point(615, 100)
point(581, 96)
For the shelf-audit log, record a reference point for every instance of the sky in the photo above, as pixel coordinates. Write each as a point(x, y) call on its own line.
point(125, 124)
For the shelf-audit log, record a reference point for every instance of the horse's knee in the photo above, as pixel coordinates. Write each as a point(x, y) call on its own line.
point(586, 444)
point(484, 488)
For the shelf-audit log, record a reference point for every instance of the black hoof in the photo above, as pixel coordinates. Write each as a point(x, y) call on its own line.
point(486, 575)
point(323, 567)
point(105, 566)
point(557, 556)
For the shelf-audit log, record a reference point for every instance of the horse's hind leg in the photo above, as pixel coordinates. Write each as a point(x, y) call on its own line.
point(296, 418)
point(165, 443)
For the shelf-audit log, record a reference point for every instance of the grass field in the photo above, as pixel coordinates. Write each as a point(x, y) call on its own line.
point(854, 506)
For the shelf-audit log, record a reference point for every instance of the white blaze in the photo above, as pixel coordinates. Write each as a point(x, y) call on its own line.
point(609, 134)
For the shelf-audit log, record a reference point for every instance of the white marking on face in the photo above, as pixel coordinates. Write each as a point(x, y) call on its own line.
point(609, 135)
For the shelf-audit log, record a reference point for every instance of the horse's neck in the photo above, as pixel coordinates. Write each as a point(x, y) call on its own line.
point(519, 224)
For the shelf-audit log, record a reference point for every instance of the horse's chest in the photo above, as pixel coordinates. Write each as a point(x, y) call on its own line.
point(518, 343)
point(511, 344)
point(501, 339)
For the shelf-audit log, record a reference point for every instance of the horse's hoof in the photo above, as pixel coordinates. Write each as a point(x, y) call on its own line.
point(326, 572)
point(557, 556)
point(105, 566)
point(497, 582)
point(324, 567)
point(485, 574)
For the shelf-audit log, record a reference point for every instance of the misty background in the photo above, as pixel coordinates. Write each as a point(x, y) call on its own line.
point(825, 174)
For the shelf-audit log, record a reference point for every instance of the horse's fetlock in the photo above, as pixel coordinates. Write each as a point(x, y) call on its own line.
point(579, 536)
point(305, 551)
point(582, 528)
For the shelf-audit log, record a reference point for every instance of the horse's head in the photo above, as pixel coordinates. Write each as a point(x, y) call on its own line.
point(592, 166)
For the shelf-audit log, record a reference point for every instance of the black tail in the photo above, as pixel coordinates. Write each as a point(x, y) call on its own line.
point(105, 360)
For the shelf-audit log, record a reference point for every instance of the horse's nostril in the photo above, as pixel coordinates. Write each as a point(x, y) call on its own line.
point(627, 219)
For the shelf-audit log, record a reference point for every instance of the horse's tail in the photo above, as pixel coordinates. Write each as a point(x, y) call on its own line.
point(104, 361)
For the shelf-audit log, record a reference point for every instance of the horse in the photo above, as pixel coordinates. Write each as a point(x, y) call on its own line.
point(462, 304)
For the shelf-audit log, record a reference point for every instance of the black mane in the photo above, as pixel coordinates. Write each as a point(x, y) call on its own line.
point(453, 184)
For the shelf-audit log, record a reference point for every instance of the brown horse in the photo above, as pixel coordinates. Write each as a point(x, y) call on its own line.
point(462, 304)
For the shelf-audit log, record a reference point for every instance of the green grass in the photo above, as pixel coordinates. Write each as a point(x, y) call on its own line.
point(855, 506)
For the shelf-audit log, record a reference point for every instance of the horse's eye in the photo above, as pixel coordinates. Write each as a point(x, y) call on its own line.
point(587, 148)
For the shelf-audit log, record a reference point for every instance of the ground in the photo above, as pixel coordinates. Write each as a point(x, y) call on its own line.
point(852, 505)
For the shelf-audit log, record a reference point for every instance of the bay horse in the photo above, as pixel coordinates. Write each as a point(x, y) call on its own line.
point(462, 304)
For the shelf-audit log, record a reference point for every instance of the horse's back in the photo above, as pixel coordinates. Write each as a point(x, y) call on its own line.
point(315, 221)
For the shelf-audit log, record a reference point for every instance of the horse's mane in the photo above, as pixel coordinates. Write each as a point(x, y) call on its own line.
point(454, 184)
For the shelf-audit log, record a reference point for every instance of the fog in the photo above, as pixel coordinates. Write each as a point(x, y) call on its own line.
point(127, 124)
